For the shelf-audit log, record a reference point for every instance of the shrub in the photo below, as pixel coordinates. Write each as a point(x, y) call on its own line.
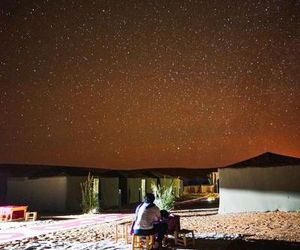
point(164, 195)
point(89, 202)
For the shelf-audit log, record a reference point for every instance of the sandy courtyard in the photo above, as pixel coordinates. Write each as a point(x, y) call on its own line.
point(274, 226)
point(283, 226)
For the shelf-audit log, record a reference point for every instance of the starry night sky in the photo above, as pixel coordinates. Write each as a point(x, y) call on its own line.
point(137, 84)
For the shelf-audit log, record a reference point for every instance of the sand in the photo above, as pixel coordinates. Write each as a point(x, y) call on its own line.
point(278, 226)
point(283, 226)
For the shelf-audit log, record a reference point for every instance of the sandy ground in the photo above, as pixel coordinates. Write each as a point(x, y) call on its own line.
point(270, 226)
point(283, 226)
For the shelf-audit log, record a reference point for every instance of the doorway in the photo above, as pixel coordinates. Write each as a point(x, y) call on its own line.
point(123, 187)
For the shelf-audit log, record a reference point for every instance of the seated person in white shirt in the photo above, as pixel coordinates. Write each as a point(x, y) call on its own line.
point(147, 220)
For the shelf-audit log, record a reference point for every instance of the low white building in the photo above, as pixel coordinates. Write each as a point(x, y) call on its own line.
point(55, 194)
point(57, 189)
point(267, 182)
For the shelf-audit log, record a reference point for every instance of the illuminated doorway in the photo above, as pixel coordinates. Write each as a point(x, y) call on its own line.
point(143, 189)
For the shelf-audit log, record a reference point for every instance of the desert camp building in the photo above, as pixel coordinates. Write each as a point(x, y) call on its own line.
point(267, 182)
point(57, 188)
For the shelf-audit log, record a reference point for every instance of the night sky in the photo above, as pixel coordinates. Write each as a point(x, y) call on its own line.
point(138, 84)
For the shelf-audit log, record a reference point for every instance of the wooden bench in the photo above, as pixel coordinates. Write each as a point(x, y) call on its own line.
point(8, 213)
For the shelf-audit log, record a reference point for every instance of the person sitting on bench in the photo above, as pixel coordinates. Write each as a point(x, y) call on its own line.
point(147, 220)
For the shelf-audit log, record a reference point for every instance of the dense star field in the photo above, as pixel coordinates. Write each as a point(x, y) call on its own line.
point(133, 84)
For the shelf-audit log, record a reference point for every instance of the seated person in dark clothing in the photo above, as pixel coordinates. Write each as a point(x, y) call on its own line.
point(164, 214)
point(147, 220)
point(172, 221)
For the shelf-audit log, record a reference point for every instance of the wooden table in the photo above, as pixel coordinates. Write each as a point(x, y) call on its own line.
point(12, 213)
point(122, 230)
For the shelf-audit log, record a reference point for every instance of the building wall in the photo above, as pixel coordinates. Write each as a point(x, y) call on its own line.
point(3, 187)
point(135, 188)
point(149, 182)
point(109, 192)
point(73, 202)
point(134, 185)
point(42, 194)
point(259, 189)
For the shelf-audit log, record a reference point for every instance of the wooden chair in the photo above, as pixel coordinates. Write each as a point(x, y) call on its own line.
point(3, 217)
point(182, 237)
point(30, 216)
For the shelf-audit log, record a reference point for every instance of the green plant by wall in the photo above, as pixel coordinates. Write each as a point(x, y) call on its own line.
point(89, 201)
point(164, 194)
